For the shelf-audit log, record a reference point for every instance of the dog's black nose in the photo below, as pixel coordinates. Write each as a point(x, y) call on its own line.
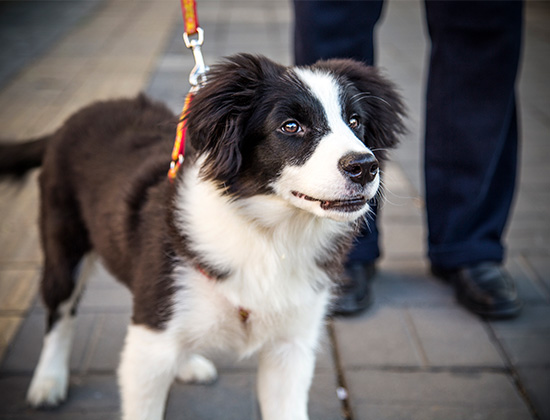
point(359, 167)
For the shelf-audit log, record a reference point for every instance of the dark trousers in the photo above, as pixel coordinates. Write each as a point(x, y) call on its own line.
point(471, 137)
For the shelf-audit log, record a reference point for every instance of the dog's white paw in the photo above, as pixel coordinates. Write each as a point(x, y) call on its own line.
point(197, 369)
point(48, 390)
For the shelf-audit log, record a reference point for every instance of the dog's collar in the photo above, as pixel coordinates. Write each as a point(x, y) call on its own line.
point(210, 273)
point(180, 242)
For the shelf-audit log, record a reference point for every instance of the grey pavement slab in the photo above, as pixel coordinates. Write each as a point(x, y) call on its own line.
point(416, 337)
point(404, 283)
point(527, 338)
point(454, 337)
point(388, 394)
point(530, 285)
point(90, 394)
point(536, 382)
point(230, 397)
point(382, 337)
point(233, 397)
point(106, 342)
point(323, 402)
point(26, 30)
point(23, 354)
point(540, 265)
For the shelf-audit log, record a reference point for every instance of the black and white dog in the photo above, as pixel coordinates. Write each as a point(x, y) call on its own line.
point(240, 252)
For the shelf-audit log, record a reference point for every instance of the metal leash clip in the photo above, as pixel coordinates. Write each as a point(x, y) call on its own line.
point(197, 77)
point(193, 36)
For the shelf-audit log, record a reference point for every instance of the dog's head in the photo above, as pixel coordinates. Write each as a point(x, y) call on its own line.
point(313, 136)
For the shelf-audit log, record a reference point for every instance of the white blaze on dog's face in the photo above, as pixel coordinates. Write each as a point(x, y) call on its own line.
point(311, 136)
point(341, 175)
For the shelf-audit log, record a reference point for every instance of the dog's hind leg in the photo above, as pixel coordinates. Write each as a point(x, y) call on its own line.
point(50, 380)
point(65, 243)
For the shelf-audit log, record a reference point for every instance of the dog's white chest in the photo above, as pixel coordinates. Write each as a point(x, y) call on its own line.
point(211, 314)
point(275, 289)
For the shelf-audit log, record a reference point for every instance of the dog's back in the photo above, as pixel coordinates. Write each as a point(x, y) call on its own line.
point(117, 150)
point(108, 141)
point(105, 130)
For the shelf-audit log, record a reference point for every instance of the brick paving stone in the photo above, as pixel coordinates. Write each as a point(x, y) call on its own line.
point(541, 266)
point(381, 337)
point(434, 395)
point(54, 415)
point(116, 298)
point(127, 29)
point(404, 283)
point(527, 349)
point(17, 289)
point(323, 401)
point(109, 334)
point(231, 397)
point(536, 382)
point(24, 351)
point(20, 48)
point(87, 394)
point(528, 283)
point(9, 325)
point(527, 338)
point(436, 411)
point(403, 240)
point(454, 337)
point(19, 237)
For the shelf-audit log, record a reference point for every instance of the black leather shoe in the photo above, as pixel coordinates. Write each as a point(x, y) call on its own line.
point(354, 295)
point(485, 289)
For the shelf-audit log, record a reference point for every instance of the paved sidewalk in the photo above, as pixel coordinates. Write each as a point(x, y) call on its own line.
point(415, 355)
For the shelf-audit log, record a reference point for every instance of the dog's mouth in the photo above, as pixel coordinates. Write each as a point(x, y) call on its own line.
point(349, 205)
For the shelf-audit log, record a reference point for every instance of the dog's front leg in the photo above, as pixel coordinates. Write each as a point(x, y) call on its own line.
point(147, 368)
point(284, 378)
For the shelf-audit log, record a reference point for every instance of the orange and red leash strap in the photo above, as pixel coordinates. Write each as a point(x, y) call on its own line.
point(178, 151)
point(190, 17)
point(196, 78)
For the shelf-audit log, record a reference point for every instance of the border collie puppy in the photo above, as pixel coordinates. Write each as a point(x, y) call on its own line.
point(240, 251)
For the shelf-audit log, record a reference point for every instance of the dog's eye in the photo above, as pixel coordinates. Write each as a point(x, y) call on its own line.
point(354, 121)
point(291, 127)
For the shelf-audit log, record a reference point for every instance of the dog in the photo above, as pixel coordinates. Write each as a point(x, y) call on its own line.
point(240, 252)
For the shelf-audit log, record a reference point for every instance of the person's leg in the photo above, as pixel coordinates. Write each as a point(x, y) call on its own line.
point(471, 129)
point(327, 29)
point(335, 29)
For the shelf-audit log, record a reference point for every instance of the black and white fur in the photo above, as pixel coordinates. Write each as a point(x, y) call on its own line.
point(281, 165)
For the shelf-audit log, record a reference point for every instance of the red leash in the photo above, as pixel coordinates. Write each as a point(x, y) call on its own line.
point(190, 18)
point(197, 78)
point(193, 37)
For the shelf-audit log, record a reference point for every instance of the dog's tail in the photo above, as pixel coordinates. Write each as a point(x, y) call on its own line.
point(18, 158)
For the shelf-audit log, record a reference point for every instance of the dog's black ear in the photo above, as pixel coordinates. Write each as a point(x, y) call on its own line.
point(220, 111)
point(381, 104)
